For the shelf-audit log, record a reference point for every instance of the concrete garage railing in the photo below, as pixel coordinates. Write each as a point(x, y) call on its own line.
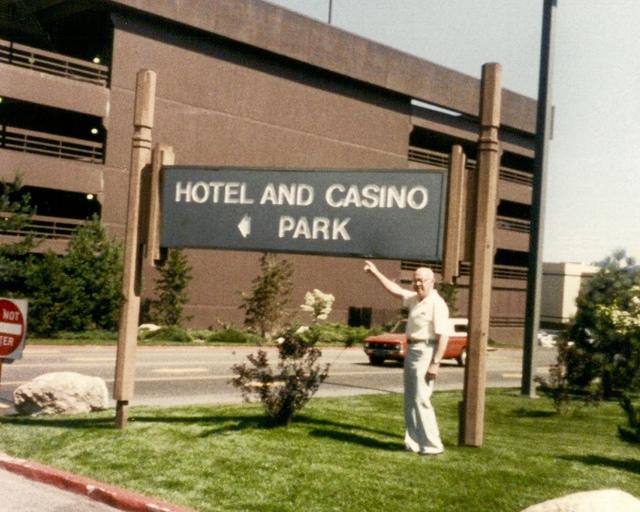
point(31, 141)
point(41, 226)
point(438, 159)
point(53, 63)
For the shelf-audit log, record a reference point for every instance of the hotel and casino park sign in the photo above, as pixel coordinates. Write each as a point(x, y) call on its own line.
point(396, 214)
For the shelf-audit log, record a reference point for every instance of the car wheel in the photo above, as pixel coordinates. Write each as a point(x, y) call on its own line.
point(376, 360)
point(462, 358)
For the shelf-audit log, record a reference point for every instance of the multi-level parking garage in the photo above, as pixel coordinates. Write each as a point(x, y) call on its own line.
point(244, 83)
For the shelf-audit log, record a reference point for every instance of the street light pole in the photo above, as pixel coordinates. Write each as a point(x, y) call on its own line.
point(543, 135)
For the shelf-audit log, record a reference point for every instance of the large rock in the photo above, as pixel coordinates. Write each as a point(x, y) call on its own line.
point(605, 500)
point(61, 393)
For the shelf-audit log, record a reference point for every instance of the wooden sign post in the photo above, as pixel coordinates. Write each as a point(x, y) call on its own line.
point(455, 208)
point(483, 255)
point(131, 281)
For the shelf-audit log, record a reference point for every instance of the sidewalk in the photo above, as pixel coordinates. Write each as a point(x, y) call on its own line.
point(32, 487)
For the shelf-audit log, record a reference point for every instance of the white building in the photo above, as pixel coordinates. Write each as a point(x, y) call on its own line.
point(561, 284)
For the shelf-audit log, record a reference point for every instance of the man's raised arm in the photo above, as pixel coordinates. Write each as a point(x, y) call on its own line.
point(389, 285)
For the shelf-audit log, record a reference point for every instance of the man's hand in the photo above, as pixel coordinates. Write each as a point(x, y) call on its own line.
point(432, 372)
point(370, 267)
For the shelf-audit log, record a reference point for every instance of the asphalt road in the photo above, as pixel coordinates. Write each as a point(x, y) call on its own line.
point(200, 375)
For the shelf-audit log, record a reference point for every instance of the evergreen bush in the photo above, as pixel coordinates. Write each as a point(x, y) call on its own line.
point(170, 333)
point(171, 291)
point(234, 336)
point(16, 213)
point(265, 305)
point(77, 291)
point(287, 387)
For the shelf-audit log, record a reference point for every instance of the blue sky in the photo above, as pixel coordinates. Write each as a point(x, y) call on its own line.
point(593, 186)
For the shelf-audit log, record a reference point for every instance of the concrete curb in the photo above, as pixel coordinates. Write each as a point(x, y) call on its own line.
point(109, 495)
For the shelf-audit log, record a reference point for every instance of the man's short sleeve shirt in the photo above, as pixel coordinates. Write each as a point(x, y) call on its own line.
point(428, 318)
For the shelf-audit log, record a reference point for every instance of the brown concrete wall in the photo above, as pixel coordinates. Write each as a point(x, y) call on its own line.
point(53, 91)
point(286, 33)
point(219, 104)
point(56, 173)
point(508, 299)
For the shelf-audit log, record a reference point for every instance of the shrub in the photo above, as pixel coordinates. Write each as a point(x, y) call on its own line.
point(16, 215)
point(231, 335)
point(288, 387)
point(449, 293)
point(630, 433)
point(338, 334)
point(599, 354)
point(93, 335)
point(94, 263)
point(171, 333)
point(600, 349)
point(171, 291)
point(265, 305)
point(79, 290)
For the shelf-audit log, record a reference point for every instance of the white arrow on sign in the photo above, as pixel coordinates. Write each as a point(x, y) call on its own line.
point(245, 226)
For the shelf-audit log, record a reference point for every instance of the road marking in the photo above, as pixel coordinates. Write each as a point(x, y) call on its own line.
point(185, 378)
point(180, 370)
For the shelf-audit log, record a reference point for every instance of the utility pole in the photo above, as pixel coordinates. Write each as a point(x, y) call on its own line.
point(544, 126)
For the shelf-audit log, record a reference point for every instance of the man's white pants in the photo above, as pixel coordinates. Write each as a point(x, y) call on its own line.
point(422, 434)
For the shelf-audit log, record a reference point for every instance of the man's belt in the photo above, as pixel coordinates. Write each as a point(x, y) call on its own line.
point(417, 340)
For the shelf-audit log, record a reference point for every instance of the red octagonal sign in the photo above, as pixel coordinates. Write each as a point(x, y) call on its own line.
point(13, 324)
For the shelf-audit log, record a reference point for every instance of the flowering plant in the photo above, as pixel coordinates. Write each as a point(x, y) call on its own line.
point(318, 303)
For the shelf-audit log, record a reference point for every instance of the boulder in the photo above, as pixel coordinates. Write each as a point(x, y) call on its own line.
point(605, 500)
point(144, 328)
point(61, 393)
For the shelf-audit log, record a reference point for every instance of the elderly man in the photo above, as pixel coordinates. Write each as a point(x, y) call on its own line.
point(427, 335)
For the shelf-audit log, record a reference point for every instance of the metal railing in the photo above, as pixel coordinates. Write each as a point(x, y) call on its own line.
point(514, 176)
point(438, 159)
point(31, 141)
point(42, 226)
point(499, 271)
point(513, 224)
point(53, 63)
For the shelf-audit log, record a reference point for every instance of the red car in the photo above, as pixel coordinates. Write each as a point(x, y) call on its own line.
point(393, 344)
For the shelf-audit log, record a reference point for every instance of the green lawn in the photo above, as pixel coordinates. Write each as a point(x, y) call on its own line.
point(342, 454)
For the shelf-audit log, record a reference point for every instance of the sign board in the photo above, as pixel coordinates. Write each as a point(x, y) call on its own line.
point(13, 327)
point(396, 213)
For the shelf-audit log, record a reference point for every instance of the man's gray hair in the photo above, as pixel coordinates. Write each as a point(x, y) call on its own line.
point(426, 270)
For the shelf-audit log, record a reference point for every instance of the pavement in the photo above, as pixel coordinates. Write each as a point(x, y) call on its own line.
point(31, 487)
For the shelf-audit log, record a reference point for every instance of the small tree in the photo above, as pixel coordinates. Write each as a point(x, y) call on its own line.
point(79, 290)
point(15, 214)
point(594, 343)
point(599, 353)
point(265, 305)
point(288, 387)
point(623, 322)
point(94, 262)
point(449, 293)
point(171, 290)
point(54, 299)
